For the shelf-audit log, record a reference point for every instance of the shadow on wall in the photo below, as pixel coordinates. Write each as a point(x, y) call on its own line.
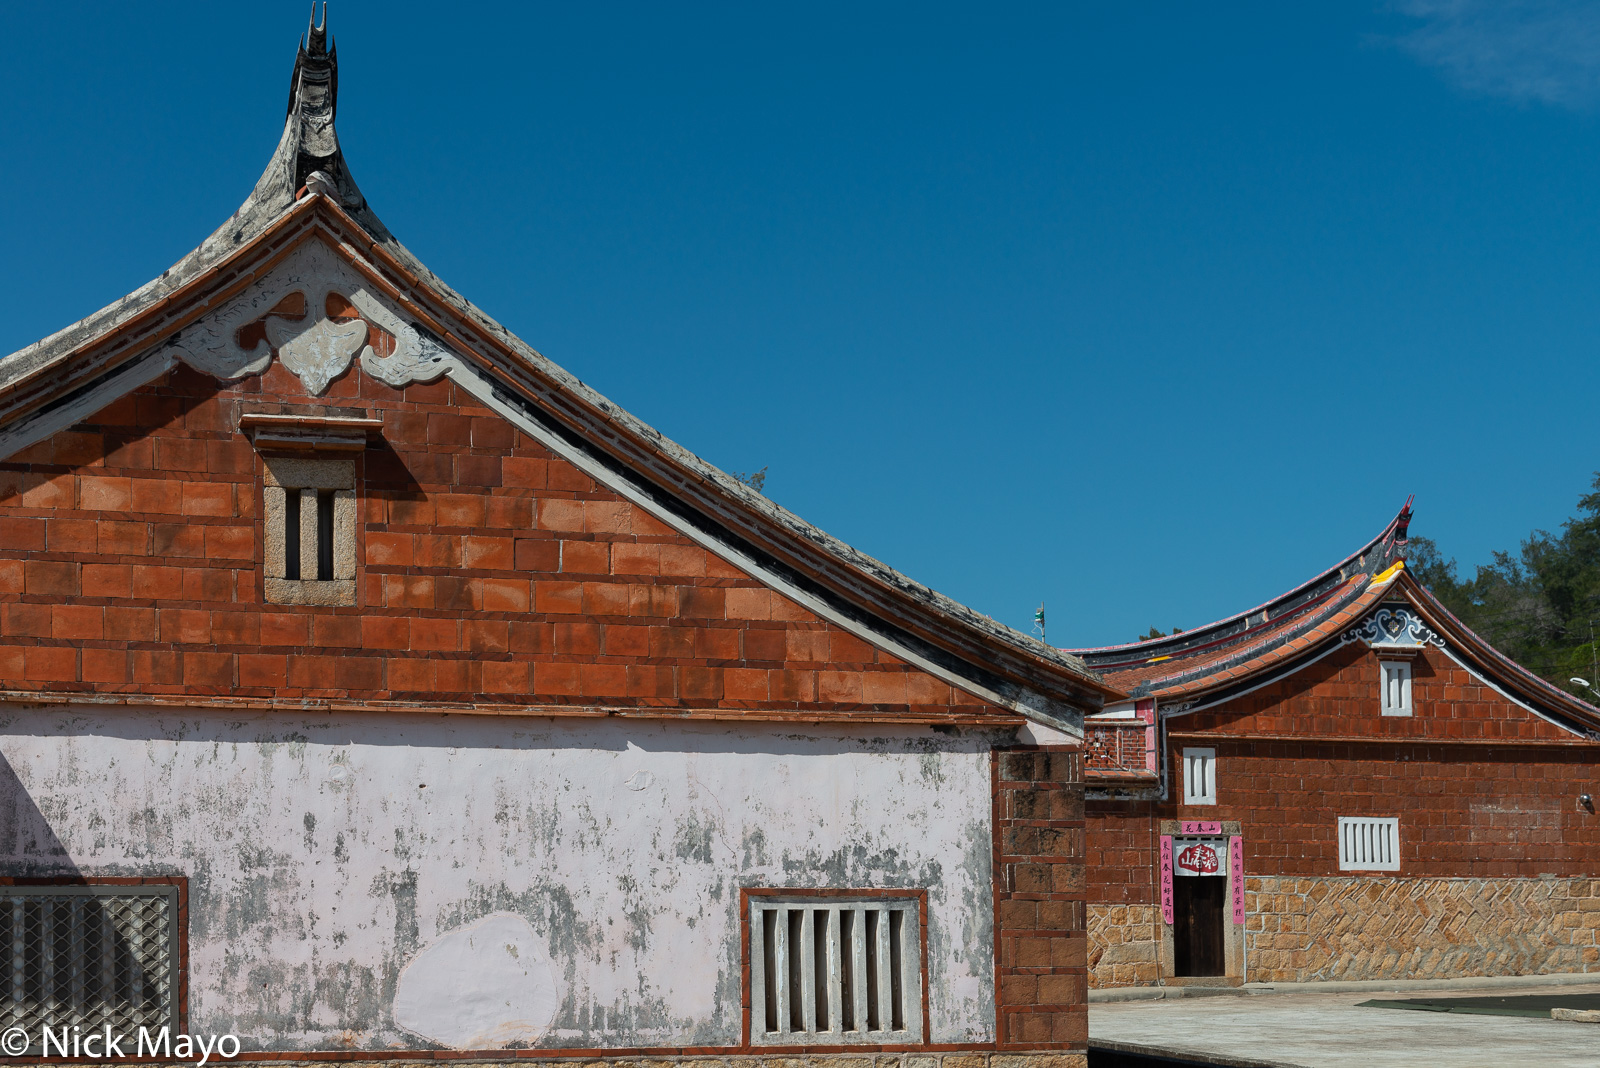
point(448, 731)
point(28, 847)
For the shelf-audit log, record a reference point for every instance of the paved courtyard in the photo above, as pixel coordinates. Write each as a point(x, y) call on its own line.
point(1332, 1031)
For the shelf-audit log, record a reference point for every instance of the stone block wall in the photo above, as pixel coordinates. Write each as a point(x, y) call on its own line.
point(1309, 929)
point(1123, 945)
point(1040, 938)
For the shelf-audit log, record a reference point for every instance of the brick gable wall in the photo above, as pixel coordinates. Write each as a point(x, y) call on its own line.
point(490, 571)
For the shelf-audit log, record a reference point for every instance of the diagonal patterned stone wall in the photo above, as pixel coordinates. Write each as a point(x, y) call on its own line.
point(1122, 945)
point(1302, 930)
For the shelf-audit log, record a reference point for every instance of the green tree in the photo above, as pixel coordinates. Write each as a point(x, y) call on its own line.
point(1537, 607)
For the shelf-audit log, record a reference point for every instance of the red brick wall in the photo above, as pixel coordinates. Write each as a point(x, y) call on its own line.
point(1338, 696)
point(489, 571)
point(1464, 810)
point(1121, 858)
point(1040, 939)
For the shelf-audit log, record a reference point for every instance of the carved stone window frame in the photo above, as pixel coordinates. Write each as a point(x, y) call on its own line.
point(309, 477)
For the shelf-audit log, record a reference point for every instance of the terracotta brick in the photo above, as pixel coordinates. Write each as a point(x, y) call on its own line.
point(207, 584)
point(603, 680)
point(484, 635)
point(700, 683)
point(50, 664)
point(490, 554)
point(506, 676)
point(208, 498)
point(563, 476)
point(564, 598)
point(492, 432)
point(504, 595)
point(535, 638)
point(749, 603)
point(388, 550)
point(285, 628)
point(449, 430)
point(716, 643)
point(883, 687)
point(683, 561)
point(765, 645)
point(208, 670)
point(21, 535)
point(586, 557)
point(841, 687)
point(523, 471)
point(476, 471)
point(558, 680)
point(629, 558)
point(236, 628)
point(230, 542)
point(410, 675)
point(185, 626)
point(578, 639)
point(458, 509)
point(608, 517)
point(606, 599)
point(130, 624)
point(50, 491)
point(408, 591)
point(627, 641)
point(72, 535)
point(561, 515)
point(263, 670)
point(102, 493)
point(745, 684)
point(699, 602)
point(534, 554)
point(336, 631)
point(10, 576)
point(178, 540)
point(435, 635)
point(71, 622)
point(159, 495)
point(124, 539)
point(437, 550)
point(45, 578)
point(109, 666)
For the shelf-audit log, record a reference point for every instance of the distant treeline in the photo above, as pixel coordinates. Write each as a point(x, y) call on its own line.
point(1540, 607)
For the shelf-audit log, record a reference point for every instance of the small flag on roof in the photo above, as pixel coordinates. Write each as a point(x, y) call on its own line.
point(1038, 621)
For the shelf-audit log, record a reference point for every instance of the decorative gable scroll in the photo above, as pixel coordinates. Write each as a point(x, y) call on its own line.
point(1393, 630)
point(314, 343)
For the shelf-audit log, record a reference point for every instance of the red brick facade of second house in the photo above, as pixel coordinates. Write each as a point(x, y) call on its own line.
point(1407, 803)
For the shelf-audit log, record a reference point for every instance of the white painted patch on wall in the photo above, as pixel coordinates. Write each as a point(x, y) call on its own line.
point(483, 986)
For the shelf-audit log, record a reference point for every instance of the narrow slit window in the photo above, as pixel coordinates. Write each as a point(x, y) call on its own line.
point(835, 969)
point(309, 528)
point(291, 534)
point(325, 536)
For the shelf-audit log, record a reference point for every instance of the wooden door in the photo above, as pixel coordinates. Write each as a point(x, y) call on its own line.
point(1197, 904)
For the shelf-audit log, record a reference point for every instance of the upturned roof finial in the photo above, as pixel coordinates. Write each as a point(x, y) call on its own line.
point(317, 33)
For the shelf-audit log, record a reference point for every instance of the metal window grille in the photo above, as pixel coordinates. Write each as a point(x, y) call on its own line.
point(89, 956)
point(1199, 776)
point(838, 970)
point(1396, 687)
point(1369, 843)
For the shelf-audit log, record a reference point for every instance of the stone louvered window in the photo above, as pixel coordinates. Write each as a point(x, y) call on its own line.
point(1396, 682)
point(310, 526)
point(88, 957)
point(1199, 776)
point(835, 970)
point(1369, 843)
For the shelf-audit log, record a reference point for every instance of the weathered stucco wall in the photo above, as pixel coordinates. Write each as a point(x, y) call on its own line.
point(325, 854)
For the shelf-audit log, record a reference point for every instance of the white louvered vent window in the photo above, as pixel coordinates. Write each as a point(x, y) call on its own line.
point(1199, 776)
point(1396, 676)
point(1369, 843)
point(835, 970)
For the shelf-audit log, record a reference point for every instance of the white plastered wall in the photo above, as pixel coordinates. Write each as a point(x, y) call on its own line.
point(324, 854)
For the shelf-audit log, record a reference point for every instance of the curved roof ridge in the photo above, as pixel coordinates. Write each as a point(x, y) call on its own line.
point(1390, 543)
point(309, 149)
point(1535, 687)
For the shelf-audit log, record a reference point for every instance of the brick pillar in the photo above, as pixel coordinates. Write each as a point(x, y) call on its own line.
point(1041, 973)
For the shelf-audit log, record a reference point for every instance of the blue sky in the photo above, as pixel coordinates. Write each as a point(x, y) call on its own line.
point(1146, 311)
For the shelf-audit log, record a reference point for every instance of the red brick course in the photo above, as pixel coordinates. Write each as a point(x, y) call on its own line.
point(489, 571)
point(1040, 940)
